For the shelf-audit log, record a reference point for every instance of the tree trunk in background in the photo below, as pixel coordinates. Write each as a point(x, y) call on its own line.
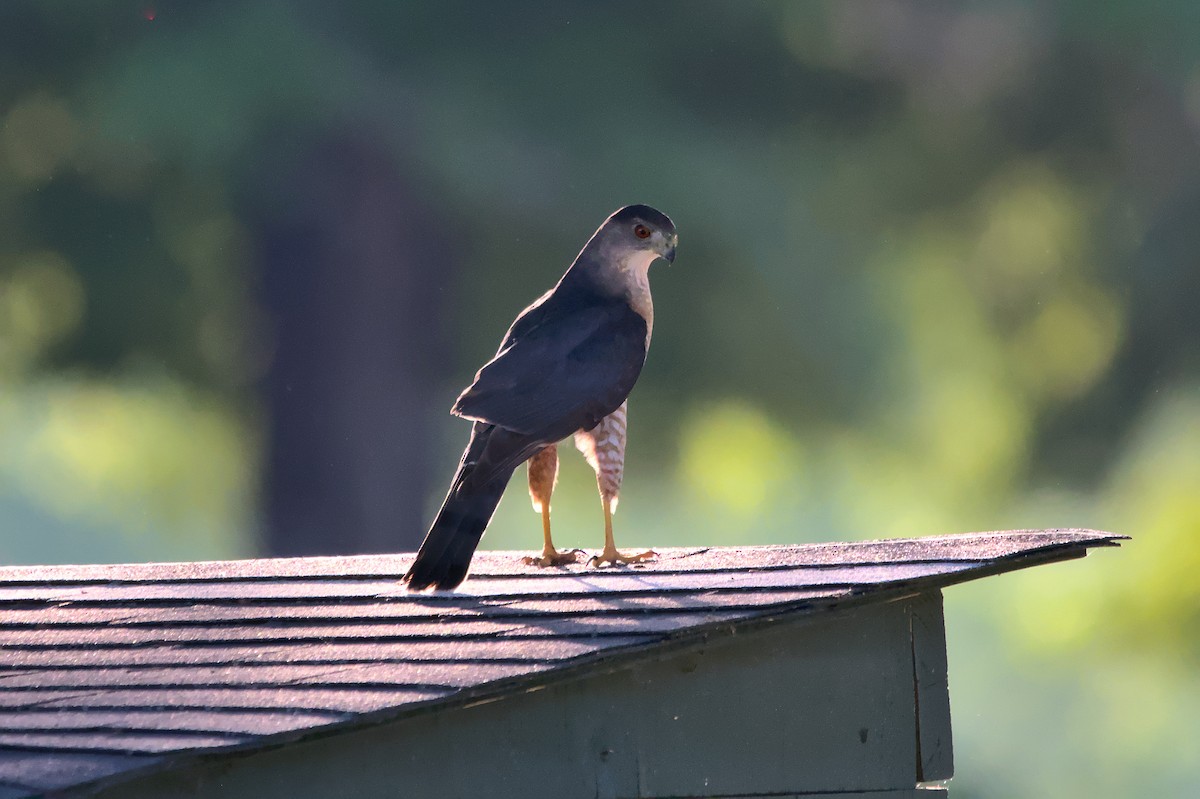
point(354, 265)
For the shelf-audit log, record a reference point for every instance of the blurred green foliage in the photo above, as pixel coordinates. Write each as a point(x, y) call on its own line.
point(939, 272)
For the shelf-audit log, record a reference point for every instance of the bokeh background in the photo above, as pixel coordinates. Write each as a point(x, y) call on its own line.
point(939, 272)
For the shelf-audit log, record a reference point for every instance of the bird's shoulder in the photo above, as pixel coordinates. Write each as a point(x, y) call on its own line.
point(534, 315)
point(572, 305)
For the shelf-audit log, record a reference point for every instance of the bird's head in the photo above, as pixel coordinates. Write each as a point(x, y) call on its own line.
point(640, 229)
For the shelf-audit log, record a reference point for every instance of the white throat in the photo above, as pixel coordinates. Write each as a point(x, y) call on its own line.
point(636, 273)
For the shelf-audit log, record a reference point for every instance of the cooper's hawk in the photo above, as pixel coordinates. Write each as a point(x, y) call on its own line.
point(568, 362)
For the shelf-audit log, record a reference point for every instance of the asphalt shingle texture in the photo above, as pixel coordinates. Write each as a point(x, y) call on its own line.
point(111, 671)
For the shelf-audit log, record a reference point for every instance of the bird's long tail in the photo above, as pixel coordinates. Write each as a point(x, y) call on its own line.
point(446, 553)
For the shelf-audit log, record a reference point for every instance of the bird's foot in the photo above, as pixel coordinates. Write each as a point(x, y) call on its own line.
point(612, 556)
point(552, 557)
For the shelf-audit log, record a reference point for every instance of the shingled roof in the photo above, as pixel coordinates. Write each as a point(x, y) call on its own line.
point(109, 672)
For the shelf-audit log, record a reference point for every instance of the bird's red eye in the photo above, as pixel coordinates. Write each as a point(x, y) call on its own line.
point(642, 232)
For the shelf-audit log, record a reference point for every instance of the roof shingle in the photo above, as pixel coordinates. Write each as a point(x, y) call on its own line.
point(110, 670)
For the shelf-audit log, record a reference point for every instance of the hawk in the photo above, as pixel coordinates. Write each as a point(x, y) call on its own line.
point(564, 368)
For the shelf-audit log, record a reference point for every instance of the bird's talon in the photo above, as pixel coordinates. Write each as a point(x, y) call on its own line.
point(617, 558)
point(552, 558)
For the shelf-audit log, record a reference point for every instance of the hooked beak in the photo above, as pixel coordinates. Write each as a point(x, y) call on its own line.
point(669, 253)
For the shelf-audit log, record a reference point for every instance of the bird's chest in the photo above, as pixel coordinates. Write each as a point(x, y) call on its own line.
point(638, 296)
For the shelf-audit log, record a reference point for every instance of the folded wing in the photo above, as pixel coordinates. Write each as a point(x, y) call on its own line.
point(561, 372)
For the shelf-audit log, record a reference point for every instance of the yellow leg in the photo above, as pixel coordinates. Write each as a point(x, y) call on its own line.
point(550, 556)
point(610, 553)
point(543, 473)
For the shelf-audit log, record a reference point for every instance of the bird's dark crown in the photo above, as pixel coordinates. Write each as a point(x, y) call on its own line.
point(645, 213)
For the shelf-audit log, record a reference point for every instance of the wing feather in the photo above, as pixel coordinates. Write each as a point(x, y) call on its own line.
point(559, 372)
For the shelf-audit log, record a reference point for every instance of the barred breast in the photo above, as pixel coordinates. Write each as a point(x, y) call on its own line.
point(604, 448)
